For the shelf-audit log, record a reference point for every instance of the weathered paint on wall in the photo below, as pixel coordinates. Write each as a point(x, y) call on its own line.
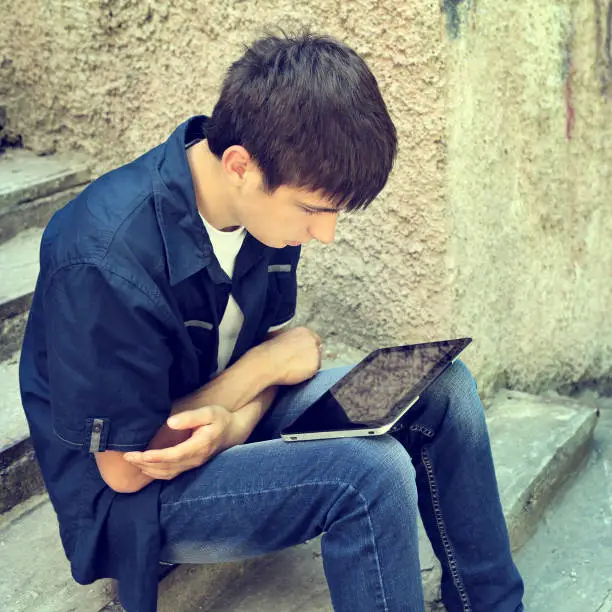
point(603, 43)
point(496, 220)
point(530, 184)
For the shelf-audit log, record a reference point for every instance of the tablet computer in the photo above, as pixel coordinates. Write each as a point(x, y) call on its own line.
point(373, 398)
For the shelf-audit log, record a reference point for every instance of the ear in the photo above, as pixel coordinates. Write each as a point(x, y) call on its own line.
point(236, 161)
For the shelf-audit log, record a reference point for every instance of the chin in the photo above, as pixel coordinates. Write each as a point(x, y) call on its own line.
point(280, 244)
point(275, 244)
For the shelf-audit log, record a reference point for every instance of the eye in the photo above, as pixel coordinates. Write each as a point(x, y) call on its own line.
point(309, 211)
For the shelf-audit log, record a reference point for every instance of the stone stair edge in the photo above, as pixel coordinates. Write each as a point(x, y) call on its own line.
point(26, 176)
point(12, 254)
point(14, 306)
point(576, 420)
point(37, 212)
point(12, 330)
point(19, 272)
point(20, 475)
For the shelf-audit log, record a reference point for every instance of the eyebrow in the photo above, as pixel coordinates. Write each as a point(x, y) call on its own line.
point(319, 209)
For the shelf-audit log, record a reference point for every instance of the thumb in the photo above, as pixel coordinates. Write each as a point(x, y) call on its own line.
point(189, 419)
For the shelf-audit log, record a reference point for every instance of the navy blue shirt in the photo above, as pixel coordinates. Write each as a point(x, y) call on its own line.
point(123, 267)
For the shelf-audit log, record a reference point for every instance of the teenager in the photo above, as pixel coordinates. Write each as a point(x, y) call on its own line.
point(158, 366)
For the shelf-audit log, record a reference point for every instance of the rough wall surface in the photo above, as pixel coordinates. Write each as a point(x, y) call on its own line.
point(113, 78)
point(385, 280)
point(495, 218)
point(530, 188)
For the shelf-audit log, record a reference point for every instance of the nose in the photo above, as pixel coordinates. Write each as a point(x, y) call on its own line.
point(323, 227)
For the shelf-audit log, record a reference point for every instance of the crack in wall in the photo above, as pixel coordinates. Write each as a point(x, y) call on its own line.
point(606, 601)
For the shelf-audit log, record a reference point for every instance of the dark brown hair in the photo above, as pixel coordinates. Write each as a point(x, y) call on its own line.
point(309, 111)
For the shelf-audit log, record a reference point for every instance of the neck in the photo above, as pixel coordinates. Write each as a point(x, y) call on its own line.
point(210, 189)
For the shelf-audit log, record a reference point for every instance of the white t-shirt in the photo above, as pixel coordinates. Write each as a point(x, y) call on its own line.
point(226, 246)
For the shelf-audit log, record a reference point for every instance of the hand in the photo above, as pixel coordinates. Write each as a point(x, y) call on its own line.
point(211, 433)
point(296, 355)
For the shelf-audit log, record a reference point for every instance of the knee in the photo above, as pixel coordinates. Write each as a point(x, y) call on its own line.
point(465, 414)
point(456, 381)
point(382, 468)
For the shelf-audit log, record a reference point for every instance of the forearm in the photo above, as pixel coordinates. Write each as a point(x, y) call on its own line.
point(238, 398)
point(247, 417)
point(124, 477)
point(236, 386)
point(241, 386)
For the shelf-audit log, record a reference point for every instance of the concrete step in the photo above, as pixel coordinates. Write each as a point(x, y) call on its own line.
point(18, 271)
point(20, 476)
point(35, 572)
point(538, 443)
point(569, 558)
point(33, 187)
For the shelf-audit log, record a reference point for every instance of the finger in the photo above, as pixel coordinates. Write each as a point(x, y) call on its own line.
point(154, 473)
point(133, 456)
point(183, 452)
point(158, 474)
point(147, 465)
point(190, 419)
point(157, 470)
point(168, 471)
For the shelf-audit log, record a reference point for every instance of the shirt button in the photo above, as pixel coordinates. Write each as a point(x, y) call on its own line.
point(97, 428)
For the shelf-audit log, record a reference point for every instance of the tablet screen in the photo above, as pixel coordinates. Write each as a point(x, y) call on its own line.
point(380, 387)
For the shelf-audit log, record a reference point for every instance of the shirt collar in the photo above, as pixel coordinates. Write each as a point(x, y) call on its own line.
point(186, 242)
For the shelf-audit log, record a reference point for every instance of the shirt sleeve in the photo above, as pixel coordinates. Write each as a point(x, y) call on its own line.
point(108, 361)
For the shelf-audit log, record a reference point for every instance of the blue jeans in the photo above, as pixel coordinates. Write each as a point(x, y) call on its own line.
point(363, 495)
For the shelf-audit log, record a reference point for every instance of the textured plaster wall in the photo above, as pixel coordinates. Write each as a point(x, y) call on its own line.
point(114, 77)
point(529, 184)
point(496, 220)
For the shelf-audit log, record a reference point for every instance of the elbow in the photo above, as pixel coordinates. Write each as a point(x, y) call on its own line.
point(126, 486)
point(118, 474)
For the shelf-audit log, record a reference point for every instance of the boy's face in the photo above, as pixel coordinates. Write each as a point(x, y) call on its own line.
point(289, 216)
